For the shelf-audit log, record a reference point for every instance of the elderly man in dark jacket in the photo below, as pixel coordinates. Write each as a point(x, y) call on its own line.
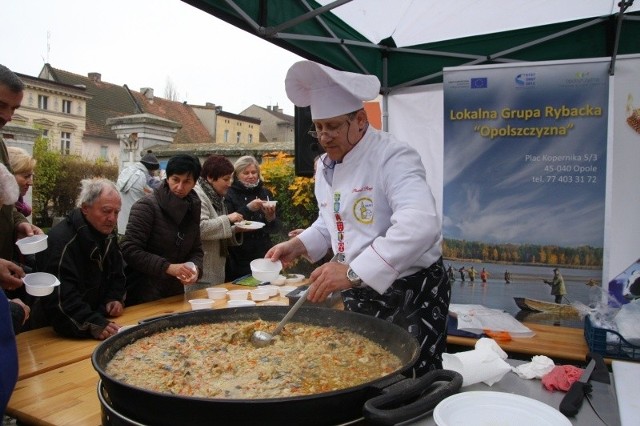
point(83, 253)
point(163, 236)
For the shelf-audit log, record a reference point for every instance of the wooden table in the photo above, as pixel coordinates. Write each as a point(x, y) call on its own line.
point(58, 385)
point(66, 395)
point(43, 350)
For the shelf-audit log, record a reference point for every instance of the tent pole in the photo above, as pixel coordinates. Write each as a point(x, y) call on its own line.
point(624, 4)
point(385, 94)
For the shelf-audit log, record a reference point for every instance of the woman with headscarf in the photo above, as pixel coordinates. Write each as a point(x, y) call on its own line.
point(247, 196)
point(216, 225)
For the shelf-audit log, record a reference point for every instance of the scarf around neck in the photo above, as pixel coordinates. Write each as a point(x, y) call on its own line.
point(217, 201)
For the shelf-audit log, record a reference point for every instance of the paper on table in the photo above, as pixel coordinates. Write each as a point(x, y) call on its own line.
point(476, 318)
point(485, 363)
point(536, 369)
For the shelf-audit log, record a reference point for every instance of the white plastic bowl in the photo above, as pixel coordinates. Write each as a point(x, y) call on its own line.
point(197, 304)
point(265, 270)
point(33, 244)
point(217, 293)
point(40, 283)
point(270, 203)
point(286, 289)
point(259, 295)
point(281, 280)
point(271, 289)
point(238, 294)
point(240, 303)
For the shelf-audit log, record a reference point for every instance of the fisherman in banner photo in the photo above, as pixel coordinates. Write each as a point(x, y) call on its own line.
point(558, 288)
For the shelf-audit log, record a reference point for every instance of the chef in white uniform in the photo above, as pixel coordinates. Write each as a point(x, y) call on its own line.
point(376, 212)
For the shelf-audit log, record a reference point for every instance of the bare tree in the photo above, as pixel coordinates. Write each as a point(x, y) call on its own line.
point(171, 91)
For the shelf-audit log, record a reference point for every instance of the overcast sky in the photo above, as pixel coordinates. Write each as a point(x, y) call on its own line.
point(145, 43)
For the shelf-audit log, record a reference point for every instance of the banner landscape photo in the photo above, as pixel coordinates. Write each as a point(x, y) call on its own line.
point(524, 175)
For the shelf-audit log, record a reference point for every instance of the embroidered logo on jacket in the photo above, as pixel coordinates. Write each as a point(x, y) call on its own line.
point(363, 210)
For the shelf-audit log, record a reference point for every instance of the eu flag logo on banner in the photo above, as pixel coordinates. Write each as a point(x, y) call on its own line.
point(479, 83)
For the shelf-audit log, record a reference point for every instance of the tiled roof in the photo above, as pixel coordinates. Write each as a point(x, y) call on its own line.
point(192, 130)
point(53, 85)
point(239, 117)
point(111, 101)
point(280, 115)
point(107, 101)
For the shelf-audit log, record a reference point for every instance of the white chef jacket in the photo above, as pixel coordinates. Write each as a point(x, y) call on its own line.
point(391, 228)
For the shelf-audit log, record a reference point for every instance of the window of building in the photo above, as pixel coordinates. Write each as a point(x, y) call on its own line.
point(45, 134)
point(104, 150)
point(250, 138)
point(65, 143)
point(226, 136)
point(66, 106)
point(238, 137)
point(43, 101)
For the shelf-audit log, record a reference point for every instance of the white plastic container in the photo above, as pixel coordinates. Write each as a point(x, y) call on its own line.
point(259, 295)
point(238, 294)
point(197, 304)
point(40, 283)
point(240, 303)
point(265, 270)
point(271, 289)
point(286, 289)
point(33, 244)
point(217, 293)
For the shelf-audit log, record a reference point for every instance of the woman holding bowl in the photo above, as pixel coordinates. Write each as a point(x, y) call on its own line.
point(216, 224)
point(248, 196)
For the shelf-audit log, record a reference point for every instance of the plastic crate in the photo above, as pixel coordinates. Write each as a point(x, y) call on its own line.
point(609, 343)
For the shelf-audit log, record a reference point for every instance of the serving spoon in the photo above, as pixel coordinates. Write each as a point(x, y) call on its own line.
point(261, 338)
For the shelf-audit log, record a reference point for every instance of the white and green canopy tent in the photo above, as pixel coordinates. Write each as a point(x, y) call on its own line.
point(407, 44)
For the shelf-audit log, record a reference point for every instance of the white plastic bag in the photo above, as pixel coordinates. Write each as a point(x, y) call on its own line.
point(627, 320)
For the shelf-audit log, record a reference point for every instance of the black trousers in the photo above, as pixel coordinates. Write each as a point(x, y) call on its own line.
point(418, 303)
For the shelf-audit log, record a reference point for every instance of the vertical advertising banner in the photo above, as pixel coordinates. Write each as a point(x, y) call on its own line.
point(524, 164)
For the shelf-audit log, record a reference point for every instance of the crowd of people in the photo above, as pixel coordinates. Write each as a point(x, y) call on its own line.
point(142, 238)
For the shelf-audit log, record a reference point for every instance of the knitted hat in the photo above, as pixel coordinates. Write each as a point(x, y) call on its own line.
point(150, 161)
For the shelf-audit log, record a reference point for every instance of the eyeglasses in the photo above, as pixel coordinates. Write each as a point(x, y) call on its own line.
point(332, 133)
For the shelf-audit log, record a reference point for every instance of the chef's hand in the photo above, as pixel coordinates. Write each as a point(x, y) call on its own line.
point(295, 232)
point(10, 275)
point(114, 308)
point(326, 279)
point(287, 251)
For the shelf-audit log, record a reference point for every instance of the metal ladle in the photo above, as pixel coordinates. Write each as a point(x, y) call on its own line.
point(261, 338)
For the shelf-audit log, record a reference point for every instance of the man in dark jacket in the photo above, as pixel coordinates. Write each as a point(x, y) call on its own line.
point(83, 253)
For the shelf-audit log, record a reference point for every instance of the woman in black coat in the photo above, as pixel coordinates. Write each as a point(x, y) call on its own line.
point(163, 234)
point(247, 196)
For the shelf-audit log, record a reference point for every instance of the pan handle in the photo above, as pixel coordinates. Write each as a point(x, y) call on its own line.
point(411, 398)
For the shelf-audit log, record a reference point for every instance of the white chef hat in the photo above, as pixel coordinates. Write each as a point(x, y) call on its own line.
point(329, 92)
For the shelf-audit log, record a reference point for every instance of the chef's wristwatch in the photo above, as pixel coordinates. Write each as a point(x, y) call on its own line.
point(354, 279)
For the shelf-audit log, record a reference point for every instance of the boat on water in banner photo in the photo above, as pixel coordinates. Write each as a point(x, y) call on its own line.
point(535, 305)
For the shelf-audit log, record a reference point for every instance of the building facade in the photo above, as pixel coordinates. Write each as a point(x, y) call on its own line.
point(275, 126)
point(56, 110)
